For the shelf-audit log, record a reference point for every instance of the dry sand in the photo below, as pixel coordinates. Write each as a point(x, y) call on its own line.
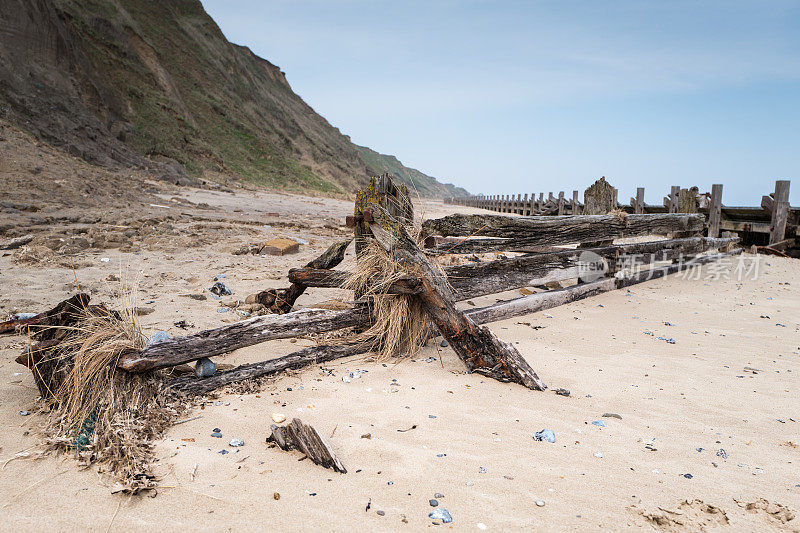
point(473, 440)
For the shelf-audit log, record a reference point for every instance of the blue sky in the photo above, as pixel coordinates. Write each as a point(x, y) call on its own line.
point(526, 96)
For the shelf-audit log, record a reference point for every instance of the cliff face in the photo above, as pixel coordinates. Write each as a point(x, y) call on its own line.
point(156, 84)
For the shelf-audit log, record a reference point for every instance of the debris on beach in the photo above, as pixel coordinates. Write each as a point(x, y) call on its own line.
point(305, 438)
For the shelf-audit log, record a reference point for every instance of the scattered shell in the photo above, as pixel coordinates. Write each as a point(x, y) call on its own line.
point(278, 417)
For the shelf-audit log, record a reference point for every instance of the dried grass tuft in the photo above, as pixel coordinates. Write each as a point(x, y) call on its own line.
point(621, 215)
point(101, 415)
point(400, 325)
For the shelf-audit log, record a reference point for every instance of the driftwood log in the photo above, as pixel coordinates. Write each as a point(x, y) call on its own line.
point(299, 359)
point(479, 349)
point(313, 277)
point(282, 301)
point(308, 440)
point(247, 332)
point(56, 316)
point(537, 231)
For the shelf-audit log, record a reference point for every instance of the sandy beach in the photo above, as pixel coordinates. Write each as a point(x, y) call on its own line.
point(705, 433)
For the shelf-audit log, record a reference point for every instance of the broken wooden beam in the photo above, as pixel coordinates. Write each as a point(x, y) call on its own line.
point(479, 349)
point(282, 301)
point(532, 231)
point(210, 342)
point(53, 318)
point(308, 440)
point(554, 298)
point(317, 277)
point(191, 384)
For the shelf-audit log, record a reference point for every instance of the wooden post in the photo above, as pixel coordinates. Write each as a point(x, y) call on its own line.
point(638, 208)
point(526, 209)
point(541, 203)
point(715, 210)
point(614, 201)
point(673, 198)
point(519, 208)
point(575, 206)
point(561, 202)
point(780, 213)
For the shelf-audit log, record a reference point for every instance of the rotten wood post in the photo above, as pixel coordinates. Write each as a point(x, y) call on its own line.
point(541, 203)
point(673, 198)
point(575, 206)
point(479, 349)
point(780, 212)
point(561, 202)
point(715, 210)
point(526, 209)
point(638, 207)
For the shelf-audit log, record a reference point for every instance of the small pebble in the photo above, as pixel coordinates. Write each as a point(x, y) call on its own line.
point(433, 503)
point(278, 417)
point(612, 415)
point(438, 495)
point(722, 453)
point(599, 423)
point(481, 470)
point(24, 413)
point(276, 496)
point(545, 435)
point(688, 476)
point(216, 434)
point(562, 392)
point(205, 368)
point(539, 503)
point(380, 513)
point(236, 443)
point(598, 455)
point(444, 344)
point(441, 514)
point(223, 452)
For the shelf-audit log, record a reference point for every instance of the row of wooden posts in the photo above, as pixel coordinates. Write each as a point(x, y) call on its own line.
point(679, 200)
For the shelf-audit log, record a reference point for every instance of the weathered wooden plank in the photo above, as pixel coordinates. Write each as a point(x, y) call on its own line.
point(780, 212)
point(309, 441)
point(673, 198)
point(313, 277)
point(532, 231)
point(744, 226)
point(539, 301)
point(598, 198)
point(554, 298)
point(247, 332)
point(191, 384)
point(715, 210)
point(638, 207)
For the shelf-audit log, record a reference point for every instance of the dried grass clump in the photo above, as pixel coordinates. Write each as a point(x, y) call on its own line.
point(400, 325)
point(621, 215)
point(104, 416)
